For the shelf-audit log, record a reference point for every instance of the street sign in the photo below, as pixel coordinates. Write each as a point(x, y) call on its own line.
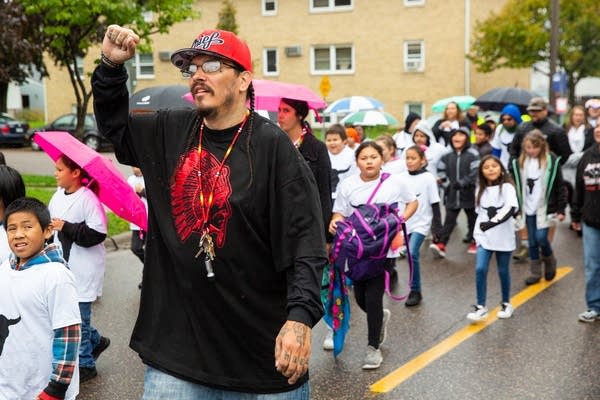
point(325, 86)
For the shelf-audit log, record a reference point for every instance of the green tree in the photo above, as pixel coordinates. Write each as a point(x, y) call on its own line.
point(21, 51)
point(72, 27)
point(518, 36)
point(227, 18)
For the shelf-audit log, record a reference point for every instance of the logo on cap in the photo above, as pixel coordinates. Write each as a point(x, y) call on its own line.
point(206, 41)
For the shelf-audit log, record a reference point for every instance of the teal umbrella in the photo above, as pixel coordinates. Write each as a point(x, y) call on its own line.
point(370, 118)
point(463, 102)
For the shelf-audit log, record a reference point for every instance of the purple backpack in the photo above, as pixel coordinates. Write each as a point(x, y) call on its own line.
point(363, 239)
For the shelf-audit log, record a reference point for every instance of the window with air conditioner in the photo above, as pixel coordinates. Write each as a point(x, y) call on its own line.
point(269, 7)
point(330, 5)
point(270, 62)
point(414, 56)
point(144, 66)
point(332, 59)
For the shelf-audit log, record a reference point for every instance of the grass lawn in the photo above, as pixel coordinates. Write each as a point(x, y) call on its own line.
point(43, 187)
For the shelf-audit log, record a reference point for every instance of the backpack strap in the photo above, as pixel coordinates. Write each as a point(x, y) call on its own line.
point(384, 176)
point(410, 270)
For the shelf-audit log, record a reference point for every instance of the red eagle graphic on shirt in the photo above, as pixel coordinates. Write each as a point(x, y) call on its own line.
point(195, 175)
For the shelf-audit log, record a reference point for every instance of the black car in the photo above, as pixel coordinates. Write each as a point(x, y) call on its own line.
point(68, 122)
point(12, 131)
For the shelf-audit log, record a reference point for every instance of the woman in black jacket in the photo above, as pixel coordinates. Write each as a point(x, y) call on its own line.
point(291, 118)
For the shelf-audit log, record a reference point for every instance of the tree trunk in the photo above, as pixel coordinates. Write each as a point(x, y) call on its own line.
point(571, 82)
point(3, 96)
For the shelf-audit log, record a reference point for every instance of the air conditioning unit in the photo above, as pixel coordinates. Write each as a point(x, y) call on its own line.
point(293, 51)
point(164, 55)
point(413, 65)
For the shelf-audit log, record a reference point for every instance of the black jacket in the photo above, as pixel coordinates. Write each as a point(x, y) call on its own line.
point(586, 198)
point(458, 172)
point(558, 142)
point(315, 153)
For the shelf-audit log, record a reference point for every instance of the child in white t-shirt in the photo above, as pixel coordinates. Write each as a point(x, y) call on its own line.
point(495, 204)
point(391, 162)
point(39, 315)
point(427, 216)
point(353, 192)
point(11, 188)
point(79, 222)
point(341, 156)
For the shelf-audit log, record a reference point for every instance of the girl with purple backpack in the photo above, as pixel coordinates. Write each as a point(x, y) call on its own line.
point(371, 186)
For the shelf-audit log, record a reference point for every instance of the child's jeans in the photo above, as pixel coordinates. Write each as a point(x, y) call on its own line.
point(482, 265)
point(415, 240)
point(537, 238)
point(89, 336)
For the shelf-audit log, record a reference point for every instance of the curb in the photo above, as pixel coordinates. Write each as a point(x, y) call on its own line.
point(119, 241)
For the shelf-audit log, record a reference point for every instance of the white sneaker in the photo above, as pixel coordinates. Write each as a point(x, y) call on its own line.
point(480, 313)
point(386, 318)
point(506, 311)
point(589, 316)
point(373, 359)
point(328, 342)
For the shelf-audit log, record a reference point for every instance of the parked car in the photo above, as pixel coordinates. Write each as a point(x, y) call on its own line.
point(68, 122)
point(12, 131)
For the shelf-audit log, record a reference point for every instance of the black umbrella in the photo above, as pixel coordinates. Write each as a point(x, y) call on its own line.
point(157, 97)
point(496, 99)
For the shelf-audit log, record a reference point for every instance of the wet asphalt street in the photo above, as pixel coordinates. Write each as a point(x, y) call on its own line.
point(542, 352)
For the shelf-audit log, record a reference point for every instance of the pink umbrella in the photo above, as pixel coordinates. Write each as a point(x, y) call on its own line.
point(114, 191)
point(267, 95)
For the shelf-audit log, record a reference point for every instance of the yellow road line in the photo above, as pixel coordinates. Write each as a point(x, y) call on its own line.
point(395, 378)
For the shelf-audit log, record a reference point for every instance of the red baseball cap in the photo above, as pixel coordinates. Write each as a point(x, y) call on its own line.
point(215, 42)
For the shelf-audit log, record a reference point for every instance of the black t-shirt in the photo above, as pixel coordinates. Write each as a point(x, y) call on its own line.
point(269, 243)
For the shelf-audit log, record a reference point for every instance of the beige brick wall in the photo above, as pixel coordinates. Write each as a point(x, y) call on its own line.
point(376, 28)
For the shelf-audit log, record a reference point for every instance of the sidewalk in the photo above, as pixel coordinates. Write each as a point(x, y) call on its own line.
point(119, 241)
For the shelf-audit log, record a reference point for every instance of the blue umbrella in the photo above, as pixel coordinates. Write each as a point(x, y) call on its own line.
point(354, 103)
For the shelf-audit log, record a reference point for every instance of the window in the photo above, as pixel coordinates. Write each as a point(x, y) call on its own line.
point(332, 59)
point(269, 7)
point(270, 62)
point(144, 66)
point(414, 107)
point(330, 5)
point(414, 56)
point(414, 3)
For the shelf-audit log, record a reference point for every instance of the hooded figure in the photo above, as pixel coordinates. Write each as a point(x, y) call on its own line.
point(505, 133)
point(403, 138)
point(423, 135)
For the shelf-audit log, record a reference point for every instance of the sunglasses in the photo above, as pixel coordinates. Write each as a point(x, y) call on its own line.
point(208, 67)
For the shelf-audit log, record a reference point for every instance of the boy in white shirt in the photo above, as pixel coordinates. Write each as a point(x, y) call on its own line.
point(39, 340)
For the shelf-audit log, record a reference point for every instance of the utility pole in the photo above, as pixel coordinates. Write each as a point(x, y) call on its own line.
point(554, 41)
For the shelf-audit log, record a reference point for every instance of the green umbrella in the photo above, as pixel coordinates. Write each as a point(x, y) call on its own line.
point(370, 118)
point(463, 102)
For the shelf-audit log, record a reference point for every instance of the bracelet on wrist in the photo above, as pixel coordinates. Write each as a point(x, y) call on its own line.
point(108, 62)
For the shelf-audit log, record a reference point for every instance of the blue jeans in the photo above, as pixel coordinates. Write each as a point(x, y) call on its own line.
point(537, 238)
point(482, 264)
point(415, 240)
point(161, 386)
point(591, 261)
point(89, 336)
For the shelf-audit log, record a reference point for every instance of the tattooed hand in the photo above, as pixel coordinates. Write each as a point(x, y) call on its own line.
point(292, 350)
